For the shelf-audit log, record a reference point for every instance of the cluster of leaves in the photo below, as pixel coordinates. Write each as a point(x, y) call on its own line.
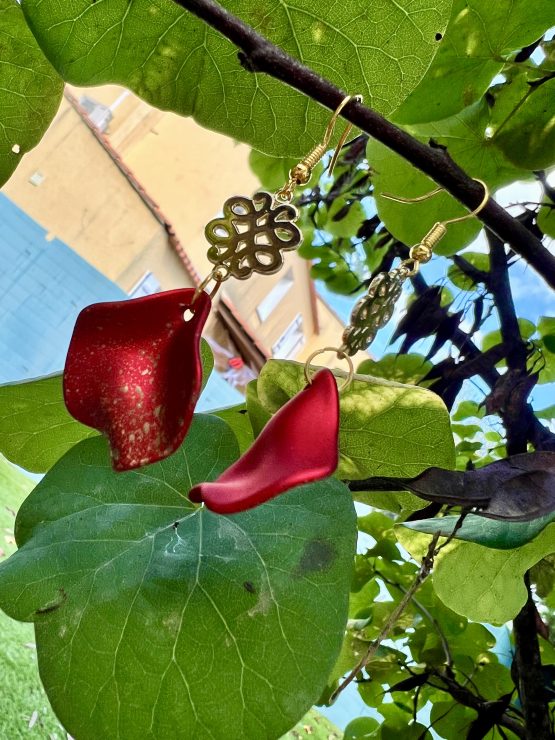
point(488, 100)
point(151, 613)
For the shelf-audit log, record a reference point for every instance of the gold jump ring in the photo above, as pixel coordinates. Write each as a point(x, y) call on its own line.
point(340, 354)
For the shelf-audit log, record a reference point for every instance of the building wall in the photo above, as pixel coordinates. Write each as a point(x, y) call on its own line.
point(83, 199)
point(189, 171)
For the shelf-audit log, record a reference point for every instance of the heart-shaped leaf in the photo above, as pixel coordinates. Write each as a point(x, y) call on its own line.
point(133, 371)
point(152, 614)
point(384, 427)
point(30, 89)
point(487, 585)
point(175, 61)
point(298, 445)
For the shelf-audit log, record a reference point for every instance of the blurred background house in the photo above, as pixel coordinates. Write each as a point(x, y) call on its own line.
point(130, 189)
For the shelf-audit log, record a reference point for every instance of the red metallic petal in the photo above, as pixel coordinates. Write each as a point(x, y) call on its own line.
point(298, 445)
point(133, 371)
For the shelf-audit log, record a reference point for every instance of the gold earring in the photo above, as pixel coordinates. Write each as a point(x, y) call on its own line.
point(375, 309)
point(253, 233)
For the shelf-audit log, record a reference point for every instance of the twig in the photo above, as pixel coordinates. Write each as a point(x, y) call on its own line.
point(424, 571)
point(260, 55)
point(429, 616)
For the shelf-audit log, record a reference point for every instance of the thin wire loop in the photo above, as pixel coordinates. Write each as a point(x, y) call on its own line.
point(341, 355)
point(348, 128)
point(300, 174)
point(424, 197)
point(219, 274)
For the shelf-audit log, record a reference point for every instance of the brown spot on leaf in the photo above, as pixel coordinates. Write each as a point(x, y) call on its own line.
point(318, 555)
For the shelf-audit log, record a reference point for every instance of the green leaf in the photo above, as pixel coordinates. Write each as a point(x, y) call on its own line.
point(345, 217)
point(490, 533)
point(409, 368)
point(527, 135)
point(546, 219)
point(361, 728)
point(466, 136)
point(487, 585)
point(450, 719)
point(258, 415)
point(492, 338)
point(315, 726)
point(468, 409)
point(35, 426)
point(385, 428)
point(547, 413)
point(237, 418)
point(176, 62)
point(480, 260)
point(273, 172)
point(480, 37)
point(207, 361)
point(30, 89)
point(151, 613)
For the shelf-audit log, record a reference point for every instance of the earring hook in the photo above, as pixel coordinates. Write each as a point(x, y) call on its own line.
point(422, 252)
point(420, 198)
point(300, 174)
point(346, 132)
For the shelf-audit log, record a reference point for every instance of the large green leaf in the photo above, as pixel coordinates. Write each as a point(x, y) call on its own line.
point(467, 138)
point(176, 62)
point(490, 533)
point(30, 89)
point(487, 585)
point(35, 426)
point(479, 39)
point(385, 428)
point(152, 614)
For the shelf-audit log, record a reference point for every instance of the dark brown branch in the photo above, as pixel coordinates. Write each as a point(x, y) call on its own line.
point(537, 434)
point(529, 669)
point(467, 698)
point(260, 55)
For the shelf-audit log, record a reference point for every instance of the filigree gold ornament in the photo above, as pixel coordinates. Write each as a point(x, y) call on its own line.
point(252, 235)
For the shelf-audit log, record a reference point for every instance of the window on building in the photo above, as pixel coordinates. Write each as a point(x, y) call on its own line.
point(275, 296)
point(291, 341)
point(147, 285)
point(100, 115)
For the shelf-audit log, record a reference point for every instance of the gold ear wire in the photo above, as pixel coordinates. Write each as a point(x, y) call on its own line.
point(331, 125)
point(422, 251)
point(301, 173)
point(426, 196)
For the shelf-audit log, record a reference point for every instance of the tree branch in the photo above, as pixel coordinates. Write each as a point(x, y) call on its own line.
point(529, 669)
point(464, 696)
point(260, 55)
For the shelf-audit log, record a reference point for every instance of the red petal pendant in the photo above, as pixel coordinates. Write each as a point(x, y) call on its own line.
point(133, 372)
point(298, 445)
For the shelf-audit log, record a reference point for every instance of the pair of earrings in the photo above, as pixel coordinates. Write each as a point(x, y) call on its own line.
point(133, 369)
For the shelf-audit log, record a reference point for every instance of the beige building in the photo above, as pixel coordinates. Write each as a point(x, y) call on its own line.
point(131, 188)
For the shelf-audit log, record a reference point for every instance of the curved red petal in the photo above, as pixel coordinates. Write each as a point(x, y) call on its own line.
point(298, 445)
point(133, 371)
